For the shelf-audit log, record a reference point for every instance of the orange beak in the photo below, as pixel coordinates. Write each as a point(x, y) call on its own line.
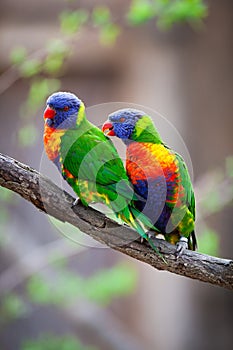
point(107, 129)
point(49, 113)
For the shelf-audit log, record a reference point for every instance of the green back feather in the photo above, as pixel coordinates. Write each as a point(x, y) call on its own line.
point(145, 131)
point(187, 184)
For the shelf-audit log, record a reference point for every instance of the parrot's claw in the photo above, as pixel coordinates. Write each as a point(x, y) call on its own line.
point(181, 246)
point(75, 202)
point(150, 234)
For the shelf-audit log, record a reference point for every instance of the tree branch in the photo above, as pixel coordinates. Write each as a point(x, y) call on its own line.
point(51, 199)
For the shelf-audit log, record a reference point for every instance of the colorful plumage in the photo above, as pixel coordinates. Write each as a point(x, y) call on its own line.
point(88, 160)
point(159, 175)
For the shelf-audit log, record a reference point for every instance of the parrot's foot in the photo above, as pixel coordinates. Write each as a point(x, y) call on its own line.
point(181, 246)
point(75, 202)
point(149, 235)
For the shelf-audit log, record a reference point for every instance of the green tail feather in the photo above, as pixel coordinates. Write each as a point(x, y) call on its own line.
point(137, 225)
point(137, 220)
point(192, 241)
point(143, 219)
point(156, 249)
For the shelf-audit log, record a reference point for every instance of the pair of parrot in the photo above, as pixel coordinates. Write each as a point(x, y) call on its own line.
point(153, 193)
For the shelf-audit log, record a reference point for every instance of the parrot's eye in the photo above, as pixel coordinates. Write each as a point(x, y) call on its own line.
point(66, 108)
point(122, 119)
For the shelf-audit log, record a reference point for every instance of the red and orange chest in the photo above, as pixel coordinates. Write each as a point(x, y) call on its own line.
point(52, 141)
point(147, 160)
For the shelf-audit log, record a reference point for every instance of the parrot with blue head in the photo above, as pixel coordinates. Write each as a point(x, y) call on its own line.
point(88, 160)
point(159, 176)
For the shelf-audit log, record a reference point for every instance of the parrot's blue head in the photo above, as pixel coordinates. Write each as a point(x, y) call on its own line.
point(122, 123)
point(64, 110)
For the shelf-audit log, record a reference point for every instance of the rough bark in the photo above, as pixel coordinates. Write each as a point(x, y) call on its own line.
point(51, 199)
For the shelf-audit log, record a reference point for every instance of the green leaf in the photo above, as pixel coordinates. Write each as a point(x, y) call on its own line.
point(109, 33)
point(182, 11)
point(18, 55)
point(57, 52)
point(39, 91)
point(208, 242)
point(140, 12)
point(71, 21)
point(27, 135)
point(68, 287)
point(57, 47)
point(101, 16)
point(101, 288)
point(54, 342)
point(13, 306)
point(39, 291)
point(166, 12)
point(53, 64)
point(30, 67)
point(111, 283)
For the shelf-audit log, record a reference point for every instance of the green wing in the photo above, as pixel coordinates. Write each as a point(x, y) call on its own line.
point(92, 157)
point(187, 184)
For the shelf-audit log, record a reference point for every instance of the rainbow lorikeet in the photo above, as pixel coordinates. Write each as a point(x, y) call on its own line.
point(88, 160)
point(159, 176)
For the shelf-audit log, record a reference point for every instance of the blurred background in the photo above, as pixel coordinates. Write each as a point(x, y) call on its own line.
point(174, 57)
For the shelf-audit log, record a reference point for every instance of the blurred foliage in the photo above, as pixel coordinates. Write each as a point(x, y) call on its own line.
point(42, 68)
point(64, 288)
point(38, 92)
point(18, 55)
point(212, 203)
point(101, 288)
point(7, 197)
point(30, 67)
point(140, 12)
point(54, 342)
point(71, 21)
point(166, 12)
point(101, 16)
point(27, 135)
point(216, 194)
point(108, 31)
point(112, 283)
point(109, 34)
point(12, 307)
point(208, 242)
point(229, 166)
point(218, 190)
